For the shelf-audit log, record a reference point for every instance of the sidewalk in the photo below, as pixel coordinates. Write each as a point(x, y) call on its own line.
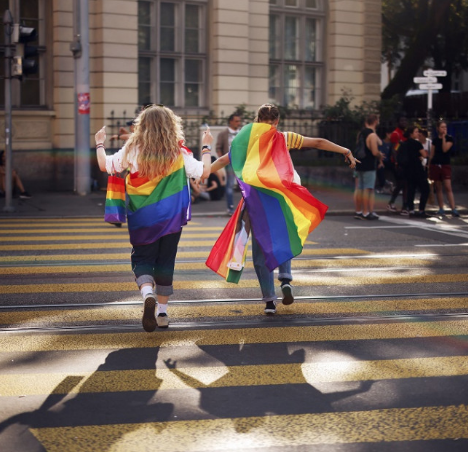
point(70, 205)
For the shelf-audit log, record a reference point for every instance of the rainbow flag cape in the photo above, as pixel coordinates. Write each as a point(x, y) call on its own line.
point(159, 206)
point(281, 212)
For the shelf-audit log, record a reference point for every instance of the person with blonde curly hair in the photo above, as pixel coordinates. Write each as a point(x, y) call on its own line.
point(158, 200)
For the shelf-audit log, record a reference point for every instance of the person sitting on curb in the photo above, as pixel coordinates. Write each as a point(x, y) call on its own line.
point(16, 180)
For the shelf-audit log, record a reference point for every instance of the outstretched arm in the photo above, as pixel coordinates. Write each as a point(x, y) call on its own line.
point(220, 163)
point(325, 145)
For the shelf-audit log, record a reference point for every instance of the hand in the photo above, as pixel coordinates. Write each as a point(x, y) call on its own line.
point(100, 136)
point(351, 160)
point(207, 137)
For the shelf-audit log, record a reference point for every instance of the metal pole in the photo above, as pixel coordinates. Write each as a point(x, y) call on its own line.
point(8, 27)
point(429, 113)
point(82, 130)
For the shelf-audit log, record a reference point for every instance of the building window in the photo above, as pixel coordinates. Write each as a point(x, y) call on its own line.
point(30, 92)
point(296, 54)
point(172, 53)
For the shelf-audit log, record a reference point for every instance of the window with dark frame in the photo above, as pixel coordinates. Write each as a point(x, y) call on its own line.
point(296, 53)
point(172, 53)
point(30, 92)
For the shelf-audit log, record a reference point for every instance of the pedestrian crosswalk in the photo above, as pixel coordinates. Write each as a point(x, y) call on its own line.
point(371, 356)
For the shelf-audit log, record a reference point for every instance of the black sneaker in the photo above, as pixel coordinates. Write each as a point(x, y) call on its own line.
point(162, 320)
point(270, 307)
point(287, 294)
point(149, 320)
point(371, 216)
point(359, 216)
point(25, 195)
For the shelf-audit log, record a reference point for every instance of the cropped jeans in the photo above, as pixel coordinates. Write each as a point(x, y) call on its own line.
point(266, 277)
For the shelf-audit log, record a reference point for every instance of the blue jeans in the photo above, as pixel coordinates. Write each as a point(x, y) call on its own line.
point(265, 277)
point(230, 188)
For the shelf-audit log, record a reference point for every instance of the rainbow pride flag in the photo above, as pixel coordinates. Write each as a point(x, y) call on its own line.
point(115, 200)
point(282, 213)
point(159, 206)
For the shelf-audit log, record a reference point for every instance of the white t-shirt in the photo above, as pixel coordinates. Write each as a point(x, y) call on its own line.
point(193, 167)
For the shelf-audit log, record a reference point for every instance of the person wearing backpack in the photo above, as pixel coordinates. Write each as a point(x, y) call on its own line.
point(370, 157)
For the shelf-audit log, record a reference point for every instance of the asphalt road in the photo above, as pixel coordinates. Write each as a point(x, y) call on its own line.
point(372, 356)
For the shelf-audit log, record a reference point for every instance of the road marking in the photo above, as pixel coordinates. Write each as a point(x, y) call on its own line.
point(104, 235)
point(21, 342)
point(15, 385)
point(35, 317)
point(302, 280)
point(294, 430)
point(34, 229)
point(183, 254)
point(428, 227)
point(344, 265)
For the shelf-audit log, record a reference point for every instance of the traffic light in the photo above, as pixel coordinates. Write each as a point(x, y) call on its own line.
point(24, 60)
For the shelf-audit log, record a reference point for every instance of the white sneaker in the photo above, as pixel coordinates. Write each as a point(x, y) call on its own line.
point(162, 320)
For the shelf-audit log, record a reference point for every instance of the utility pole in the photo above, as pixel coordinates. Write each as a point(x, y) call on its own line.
point(80, 50)
point(8, 27)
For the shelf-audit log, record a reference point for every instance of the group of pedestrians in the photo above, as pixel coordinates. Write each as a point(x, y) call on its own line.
point(158, 199)
point(412, 160)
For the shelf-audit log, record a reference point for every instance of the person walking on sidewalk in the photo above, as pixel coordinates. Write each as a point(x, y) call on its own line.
point(278, 211)
point(366, 170)
point(223, 144)
point(440, 170)
point(158, 200)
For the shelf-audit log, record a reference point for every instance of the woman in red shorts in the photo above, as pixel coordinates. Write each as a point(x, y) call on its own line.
point(440, 170)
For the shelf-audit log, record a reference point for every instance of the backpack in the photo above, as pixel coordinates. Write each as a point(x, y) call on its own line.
point(360, 151)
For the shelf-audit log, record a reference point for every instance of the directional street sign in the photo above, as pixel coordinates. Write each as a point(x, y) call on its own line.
point(425, 79)
point(432, 73)
point(431, 86)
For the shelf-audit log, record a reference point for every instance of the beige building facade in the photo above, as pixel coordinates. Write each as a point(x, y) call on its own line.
point(198, 57)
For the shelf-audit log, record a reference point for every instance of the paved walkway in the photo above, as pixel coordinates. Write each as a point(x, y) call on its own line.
point(69, 204)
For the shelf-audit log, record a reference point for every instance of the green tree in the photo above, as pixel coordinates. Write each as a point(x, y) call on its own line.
point(412, 30)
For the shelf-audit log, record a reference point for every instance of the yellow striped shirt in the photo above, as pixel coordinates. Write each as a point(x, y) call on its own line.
point(293, 140)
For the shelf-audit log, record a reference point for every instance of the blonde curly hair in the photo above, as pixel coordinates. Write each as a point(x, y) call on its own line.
point(157, 138)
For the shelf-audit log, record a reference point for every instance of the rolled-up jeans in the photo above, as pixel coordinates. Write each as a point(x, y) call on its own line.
point(230, 188)
point(266, 277)
point(154, 263)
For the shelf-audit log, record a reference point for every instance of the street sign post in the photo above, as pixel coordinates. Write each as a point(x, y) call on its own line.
point(430, 86)
point(433, 73)
point(425, 79)
point(429, 82)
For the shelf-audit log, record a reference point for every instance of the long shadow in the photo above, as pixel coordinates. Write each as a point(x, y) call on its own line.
point(223, 399)
point(100, 401)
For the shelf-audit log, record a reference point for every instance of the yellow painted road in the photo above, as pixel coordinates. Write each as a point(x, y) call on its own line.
point(104, 388)
point(301, 280)
point(171, 338)
point(387, 425)
point(15, 385)
point(44, 317)
point(296, 264)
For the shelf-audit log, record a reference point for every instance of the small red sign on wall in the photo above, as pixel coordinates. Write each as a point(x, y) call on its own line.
point(83, 103)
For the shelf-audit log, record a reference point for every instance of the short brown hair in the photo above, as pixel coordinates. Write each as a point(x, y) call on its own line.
point(371, 118)
point(267, 113)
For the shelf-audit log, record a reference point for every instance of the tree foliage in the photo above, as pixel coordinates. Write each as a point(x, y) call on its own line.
point(414, 30)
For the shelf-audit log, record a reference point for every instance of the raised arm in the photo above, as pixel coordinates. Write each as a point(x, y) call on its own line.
point(100, 138)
